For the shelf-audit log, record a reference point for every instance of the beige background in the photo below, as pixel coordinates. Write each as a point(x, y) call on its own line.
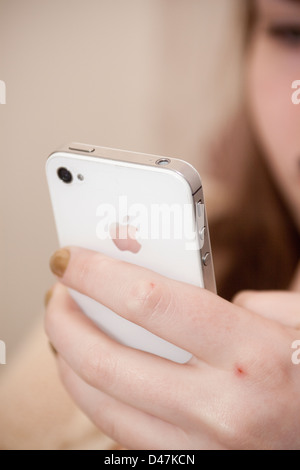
point(148, 75)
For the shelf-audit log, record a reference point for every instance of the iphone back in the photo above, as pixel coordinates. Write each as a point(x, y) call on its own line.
point(143, 209)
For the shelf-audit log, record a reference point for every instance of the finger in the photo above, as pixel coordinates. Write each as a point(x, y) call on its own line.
point(187, 316)
point(282, 307)
point(128, 426)
point(149, 383)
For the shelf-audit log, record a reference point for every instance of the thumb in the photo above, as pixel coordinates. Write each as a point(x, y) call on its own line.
point(280, 306)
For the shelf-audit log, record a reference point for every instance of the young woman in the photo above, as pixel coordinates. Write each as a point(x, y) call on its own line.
point(241, 390)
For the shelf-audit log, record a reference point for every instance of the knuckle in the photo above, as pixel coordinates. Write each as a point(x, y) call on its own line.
point(268, 366)
point(108, 423)
point(91, 268)
point(243, 427)
point(251, 425)
point(148, 299)
point(237, 419)
point(274, 363)
point(105, 263)
point(97, 367)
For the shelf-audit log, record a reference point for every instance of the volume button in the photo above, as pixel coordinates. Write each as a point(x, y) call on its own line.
point(200, 221)
point(206, 259)
point(200, 209)
point(202, 233)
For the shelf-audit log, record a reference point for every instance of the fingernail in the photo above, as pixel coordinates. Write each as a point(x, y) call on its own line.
point(52, 349)
point(48, 296)
point(59, 262)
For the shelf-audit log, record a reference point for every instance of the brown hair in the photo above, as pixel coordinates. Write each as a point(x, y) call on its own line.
point(258, 237)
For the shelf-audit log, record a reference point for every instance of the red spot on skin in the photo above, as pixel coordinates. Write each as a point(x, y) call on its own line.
point(152, 285)
point(239, 371)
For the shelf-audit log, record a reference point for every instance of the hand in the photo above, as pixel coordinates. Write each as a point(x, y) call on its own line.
point(239, 391)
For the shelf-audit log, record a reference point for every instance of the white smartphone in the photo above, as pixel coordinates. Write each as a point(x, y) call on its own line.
point(143, 209)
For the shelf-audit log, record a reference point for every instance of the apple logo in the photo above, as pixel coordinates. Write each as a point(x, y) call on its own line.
point(124, 236)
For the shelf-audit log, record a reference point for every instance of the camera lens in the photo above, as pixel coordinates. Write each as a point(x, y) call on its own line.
point(65, 175)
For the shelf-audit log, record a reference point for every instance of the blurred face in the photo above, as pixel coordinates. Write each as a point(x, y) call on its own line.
point(274, 64)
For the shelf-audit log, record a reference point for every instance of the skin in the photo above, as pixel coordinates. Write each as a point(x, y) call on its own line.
point(241, 389)
point(273, 65)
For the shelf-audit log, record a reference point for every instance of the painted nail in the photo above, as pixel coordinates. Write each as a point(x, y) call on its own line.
point(52, 348)
point(48, 296)
point(59, 262)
